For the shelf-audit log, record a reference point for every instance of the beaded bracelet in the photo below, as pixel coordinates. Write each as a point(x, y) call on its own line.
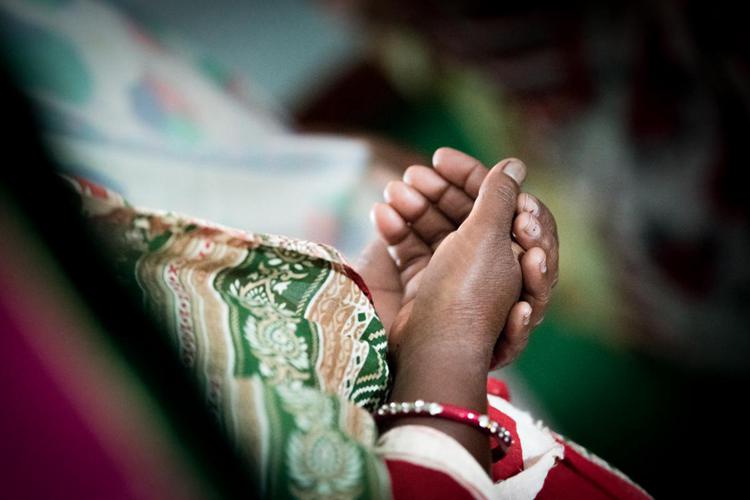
point(421, 408)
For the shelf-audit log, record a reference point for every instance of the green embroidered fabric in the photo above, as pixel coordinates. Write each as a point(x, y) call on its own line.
point(285, 343)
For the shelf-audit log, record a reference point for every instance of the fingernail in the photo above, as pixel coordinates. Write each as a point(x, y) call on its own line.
point(530, 205)
point(516, 170)
point(543, 266)
point(527, 317)
point(532, 228)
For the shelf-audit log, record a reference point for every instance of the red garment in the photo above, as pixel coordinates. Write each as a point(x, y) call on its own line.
point(578, 477)
point(413, 481)
point(576, 474)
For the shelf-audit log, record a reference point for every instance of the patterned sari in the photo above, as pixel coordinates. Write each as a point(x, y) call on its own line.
point(285, 343)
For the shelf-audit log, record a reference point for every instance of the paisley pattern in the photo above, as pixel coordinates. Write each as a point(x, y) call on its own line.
point(287, 346)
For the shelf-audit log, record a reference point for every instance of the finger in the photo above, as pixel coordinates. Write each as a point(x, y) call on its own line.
point(389, 224)
point(529, 232)
point(537, 286)
point(530, 203)
point(514, 168)
point(496, 203)
point(382, 277)
point(377, 267)
point(452, 201)
point(515, 335)
point(427, 181)
point(410, 253)
point(426, 220)
point(548, 239)
point(463, 171)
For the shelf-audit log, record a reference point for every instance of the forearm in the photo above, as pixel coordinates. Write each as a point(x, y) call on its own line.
point(445, 374)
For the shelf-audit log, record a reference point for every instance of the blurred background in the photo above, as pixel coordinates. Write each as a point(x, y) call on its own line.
point(290, 116)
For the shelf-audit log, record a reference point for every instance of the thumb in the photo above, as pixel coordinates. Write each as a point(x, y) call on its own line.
point(495, 206)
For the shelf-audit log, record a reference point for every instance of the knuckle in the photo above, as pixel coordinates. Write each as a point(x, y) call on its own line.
point(506, 190)
point(542, 297)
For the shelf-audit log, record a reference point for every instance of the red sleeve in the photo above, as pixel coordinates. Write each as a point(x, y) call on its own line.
point(413, 481)
point(576, 477)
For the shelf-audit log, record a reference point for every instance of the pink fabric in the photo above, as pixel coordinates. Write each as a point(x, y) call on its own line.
point(48, 450)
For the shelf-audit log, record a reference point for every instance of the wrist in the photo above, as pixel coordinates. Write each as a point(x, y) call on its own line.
point(452, 374)
point(443, 355)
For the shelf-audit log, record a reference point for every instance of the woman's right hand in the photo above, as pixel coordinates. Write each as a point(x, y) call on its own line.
point(448, 332)
point(430, 204)
point(470, 284)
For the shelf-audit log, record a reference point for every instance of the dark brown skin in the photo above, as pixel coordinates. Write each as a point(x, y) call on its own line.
point(465, 295)
point(444, 374)
point(445, 317)
point(431, 203)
